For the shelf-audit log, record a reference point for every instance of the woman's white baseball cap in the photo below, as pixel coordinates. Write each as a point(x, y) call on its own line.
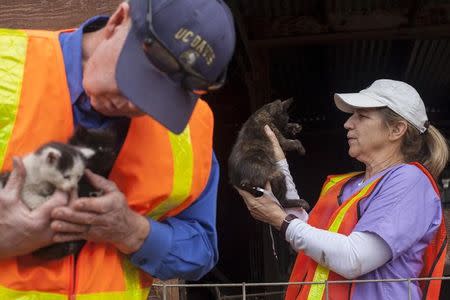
point(397, 95)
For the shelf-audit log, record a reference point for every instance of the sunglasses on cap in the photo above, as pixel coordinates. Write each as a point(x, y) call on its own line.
point(162, 58)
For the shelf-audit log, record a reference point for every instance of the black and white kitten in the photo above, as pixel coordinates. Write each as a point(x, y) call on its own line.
point(103, 143)
point(61, 166)
point(53, 166)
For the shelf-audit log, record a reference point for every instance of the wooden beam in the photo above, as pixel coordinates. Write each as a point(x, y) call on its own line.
point(241, 30)
point(426, 32)
point(413, 11)
point(324, 10)
point(254, 64)
point(262, 27)
point(258, 80)
point(53, 14)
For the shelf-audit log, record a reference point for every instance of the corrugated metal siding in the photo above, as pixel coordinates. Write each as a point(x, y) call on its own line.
point(429, 63)
point(345, 6)
point(345, 65)
point(308, 73)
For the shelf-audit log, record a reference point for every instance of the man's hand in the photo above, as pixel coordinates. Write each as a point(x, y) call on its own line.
point(21, 230)
point(101, 219)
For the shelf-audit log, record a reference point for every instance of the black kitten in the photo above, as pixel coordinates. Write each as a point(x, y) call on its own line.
point(252, 160)
point(103, 142)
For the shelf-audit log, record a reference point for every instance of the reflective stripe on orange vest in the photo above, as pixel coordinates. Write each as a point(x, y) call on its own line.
point(182, 173)
point(321, 273)
point(333, 180)
point(434, 257)
point(160, 173)
point(343, 218)
point(13, 46)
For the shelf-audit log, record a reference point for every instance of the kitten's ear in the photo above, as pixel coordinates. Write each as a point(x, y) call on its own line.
point(81, 131)
point(52, 156)
point(78, 134)
point(274, 107)
point(277, 104)
point(287, 103)
point(86, 152)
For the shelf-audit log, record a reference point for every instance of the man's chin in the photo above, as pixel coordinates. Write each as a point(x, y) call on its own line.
point(102, 111)
point(127, 114)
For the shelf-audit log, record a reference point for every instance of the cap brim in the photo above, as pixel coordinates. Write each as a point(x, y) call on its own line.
point(349, 102)
point(150, 89)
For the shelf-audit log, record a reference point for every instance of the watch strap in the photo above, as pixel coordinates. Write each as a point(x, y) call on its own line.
point(287, 220)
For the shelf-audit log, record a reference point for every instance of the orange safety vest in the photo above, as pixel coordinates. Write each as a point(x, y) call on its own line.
point(159, 172)
point(330, 215)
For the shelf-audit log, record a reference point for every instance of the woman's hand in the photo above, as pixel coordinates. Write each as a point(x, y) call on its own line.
point(265, 208)
point(279, 153)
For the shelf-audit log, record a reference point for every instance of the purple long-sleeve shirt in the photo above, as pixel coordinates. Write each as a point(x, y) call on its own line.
point(405, 211)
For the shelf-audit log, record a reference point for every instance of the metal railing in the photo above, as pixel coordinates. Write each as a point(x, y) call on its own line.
point(244, 286)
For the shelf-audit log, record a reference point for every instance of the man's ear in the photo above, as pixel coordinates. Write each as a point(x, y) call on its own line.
point(118, 18)
point(397, 130)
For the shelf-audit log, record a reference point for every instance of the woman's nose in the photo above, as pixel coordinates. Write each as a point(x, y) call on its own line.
point(349, 123)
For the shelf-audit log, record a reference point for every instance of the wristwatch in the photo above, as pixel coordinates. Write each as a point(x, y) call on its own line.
point(287, 220)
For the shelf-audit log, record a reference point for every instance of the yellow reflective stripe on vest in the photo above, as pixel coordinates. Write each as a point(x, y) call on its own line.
point(140, 294)
point(132, 284)
point(335, 179)
point(6, 293)
point(183, 169)
point(133, 292)
point(131, 274)
point(13, 49)
point(321, 274)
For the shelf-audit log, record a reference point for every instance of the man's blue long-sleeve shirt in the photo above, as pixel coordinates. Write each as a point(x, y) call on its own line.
point(184, 246)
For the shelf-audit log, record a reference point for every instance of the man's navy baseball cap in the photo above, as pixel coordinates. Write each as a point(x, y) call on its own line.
point(198, 31)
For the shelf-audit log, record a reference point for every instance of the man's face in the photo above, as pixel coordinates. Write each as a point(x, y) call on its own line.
point(99, 70)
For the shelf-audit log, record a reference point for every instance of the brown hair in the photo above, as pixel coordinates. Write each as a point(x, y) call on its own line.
point(429, 148)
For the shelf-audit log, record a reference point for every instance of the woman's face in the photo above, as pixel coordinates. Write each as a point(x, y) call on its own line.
point(367, 134)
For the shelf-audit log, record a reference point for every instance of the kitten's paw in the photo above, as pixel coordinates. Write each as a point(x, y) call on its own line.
point(294, 128)
point(295, 203)
point(304, 204)
point(98, 193)
point(299, 147)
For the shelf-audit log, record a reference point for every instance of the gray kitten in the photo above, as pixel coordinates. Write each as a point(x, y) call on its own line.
point(252, 160)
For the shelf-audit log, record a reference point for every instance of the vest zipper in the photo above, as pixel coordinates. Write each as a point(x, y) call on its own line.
point(72, 276)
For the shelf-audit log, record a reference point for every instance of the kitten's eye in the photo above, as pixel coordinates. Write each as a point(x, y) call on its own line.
point(67, 177)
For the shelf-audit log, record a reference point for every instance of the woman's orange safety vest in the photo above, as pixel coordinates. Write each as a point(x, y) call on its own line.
point(329, 214)
point(159, 172)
